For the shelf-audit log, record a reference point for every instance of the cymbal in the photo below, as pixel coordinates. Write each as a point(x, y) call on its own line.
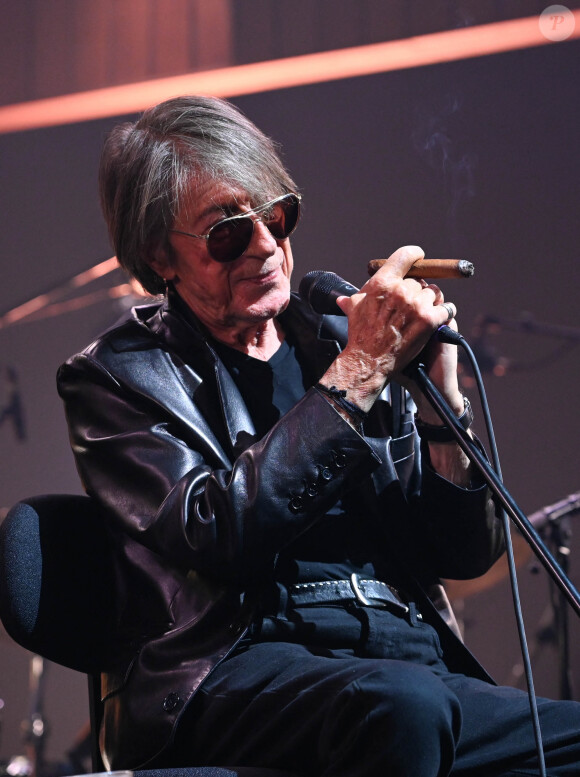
point(461, 589)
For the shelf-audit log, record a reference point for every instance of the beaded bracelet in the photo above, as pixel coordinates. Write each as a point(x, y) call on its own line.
point(339, 397)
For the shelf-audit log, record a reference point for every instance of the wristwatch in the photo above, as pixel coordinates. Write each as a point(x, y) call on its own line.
point(432, 433)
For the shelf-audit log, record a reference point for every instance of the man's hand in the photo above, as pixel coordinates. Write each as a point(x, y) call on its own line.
point(390, 321)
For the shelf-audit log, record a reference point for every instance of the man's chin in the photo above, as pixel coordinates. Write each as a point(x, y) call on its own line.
point(269, 306)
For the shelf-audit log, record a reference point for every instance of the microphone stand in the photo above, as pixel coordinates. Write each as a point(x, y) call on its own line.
point(418, 372)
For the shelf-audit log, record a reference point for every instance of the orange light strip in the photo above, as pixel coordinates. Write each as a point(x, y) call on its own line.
point(418, 51)
point(32, 307)
point(108, 265)
point(70, 306)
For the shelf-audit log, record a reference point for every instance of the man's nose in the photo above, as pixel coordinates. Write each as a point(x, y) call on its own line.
point(263, 241)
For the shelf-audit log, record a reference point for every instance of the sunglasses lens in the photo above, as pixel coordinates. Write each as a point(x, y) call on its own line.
point(283, 217)
point(229, 240)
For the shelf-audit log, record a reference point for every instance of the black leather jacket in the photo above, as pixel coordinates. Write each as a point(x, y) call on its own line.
point(198, 508)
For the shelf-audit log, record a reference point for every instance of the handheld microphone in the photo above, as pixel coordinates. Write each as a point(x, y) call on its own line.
point(321, 290)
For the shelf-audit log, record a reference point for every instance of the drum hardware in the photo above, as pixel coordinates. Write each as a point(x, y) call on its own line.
point(34, 729)
point(554, 525)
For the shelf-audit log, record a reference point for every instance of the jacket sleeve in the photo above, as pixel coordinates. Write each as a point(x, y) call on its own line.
point(461, 533)
point(439, 528)
point(163, 479)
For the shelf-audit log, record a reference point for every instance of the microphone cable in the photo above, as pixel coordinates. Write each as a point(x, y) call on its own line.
point(448, 335)
point(321, 289)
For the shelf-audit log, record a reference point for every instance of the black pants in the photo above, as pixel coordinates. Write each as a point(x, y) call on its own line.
point(360, 692)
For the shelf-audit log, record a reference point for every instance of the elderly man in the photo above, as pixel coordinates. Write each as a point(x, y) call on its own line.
point(280, 508)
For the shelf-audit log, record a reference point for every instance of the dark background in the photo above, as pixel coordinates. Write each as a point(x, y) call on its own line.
point(476, 159)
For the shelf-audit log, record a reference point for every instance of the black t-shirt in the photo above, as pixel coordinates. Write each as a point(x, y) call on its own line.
point(269, 388)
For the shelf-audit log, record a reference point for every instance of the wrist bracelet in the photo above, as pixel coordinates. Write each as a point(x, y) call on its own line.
point(432, 433)
point(339, 397)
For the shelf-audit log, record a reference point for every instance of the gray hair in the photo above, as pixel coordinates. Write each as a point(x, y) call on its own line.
point(148, 166)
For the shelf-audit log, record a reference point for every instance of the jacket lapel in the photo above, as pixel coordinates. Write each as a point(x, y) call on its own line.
point(157, 375)
point(241, 430)
point(208, 374)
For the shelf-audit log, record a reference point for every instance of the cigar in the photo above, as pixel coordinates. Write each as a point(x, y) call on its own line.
point(432, 268)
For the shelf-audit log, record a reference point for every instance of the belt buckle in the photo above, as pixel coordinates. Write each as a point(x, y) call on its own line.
point(359, 596)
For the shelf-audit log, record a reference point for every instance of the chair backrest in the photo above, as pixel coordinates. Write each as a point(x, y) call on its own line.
point(56, 599)
point(56, 583)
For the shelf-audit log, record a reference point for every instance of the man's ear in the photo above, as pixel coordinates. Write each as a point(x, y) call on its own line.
point(161, 264)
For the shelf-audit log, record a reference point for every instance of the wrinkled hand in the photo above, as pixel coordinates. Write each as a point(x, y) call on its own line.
point(391, 320)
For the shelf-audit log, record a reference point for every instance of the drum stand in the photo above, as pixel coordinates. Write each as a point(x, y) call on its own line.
point(31, 764)
point(555, 528)
point(558, 534)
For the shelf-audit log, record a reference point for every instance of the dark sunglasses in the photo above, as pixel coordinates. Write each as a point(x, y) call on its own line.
point(229, 238)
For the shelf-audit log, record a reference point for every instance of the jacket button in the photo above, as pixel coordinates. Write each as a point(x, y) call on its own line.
point(296, 504)
point(171, 701)
point(326, 473)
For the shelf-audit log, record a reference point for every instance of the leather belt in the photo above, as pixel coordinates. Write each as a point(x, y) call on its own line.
point(369, 593)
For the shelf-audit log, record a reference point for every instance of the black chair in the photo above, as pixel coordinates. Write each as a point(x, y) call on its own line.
point(55, 583)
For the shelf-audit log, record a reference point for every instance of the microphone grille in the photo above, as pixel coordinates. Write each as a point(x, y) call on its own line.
point(321, 289)
point(317, 286)
point(308, 282)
